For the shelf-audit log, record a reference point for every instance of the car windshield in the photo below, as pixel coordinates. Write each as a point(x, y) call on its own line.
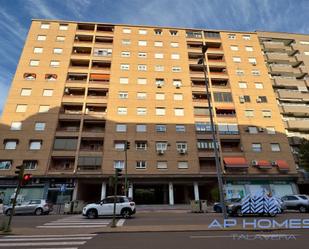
point(303, 197)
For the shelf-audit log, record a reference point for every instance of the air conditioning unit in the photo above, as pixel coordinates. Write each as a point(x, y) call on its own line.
point(178, 85)
point(253, 63)
point(182, 151)
point(160, 152)
point(159, 84)
point(254, 163)
point(261, 129)
point(274, 163)
point(258, 100)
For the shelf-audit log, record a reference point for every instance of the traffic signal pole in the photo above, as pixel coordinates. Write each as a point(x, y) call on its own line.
point(115, 194)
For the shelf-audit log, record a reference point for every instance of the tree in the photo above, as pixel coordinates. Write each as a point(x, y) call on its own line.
point(304, 154)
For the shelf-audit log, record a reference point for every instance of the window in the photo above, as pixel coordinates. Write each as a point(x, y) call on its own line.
point(252, 61)
point(141, 111)
point(35, 144)
point(141, 145)
point(63, 27)
point(121, 127)
point(126, 31)
point(173, 32)
point(158, 31)
point(60, 38)
point(123, 80)
point(16, 126)
point(21, 108)
point(180, 128)
point(58, 50)
point(119, 145)
point(176, 69)
point(161, 146)
point(45, 26)
point(126, 42)
point(161, 164)
point(10, 144)
point(48, 92)
point(181, 146)
point(41, 37)
point(159, 68)
point(141, 128)
point(203, 144)
point(256, 147)
point(142, 55)
point(258, 85)
point(160, 128)
point(175, 56)
point(5, 164)
point(141, 164)
point(232, 36)
point(123, 95)
point(119, 164)
point(54, 63)
point(249, 113)
point(234, 48)
point(141, 81)
point(179, 112)
point(177, 83)
point(261, 99)
point(203, 127)
point(122, 111)
point(141, 95)
point(142, 43)
point(240, 72)
point(142, 32)
point(275, 147)
point(43, 108)
point(183, 165)
point(125, 67)
point(39, 126)
point(236, 59)
point(266, 113)
point(38, 50)
point(252, 129)
point(158, 56)
point(228, 129)
point(223, 97)
point(242, 85)
point(125, 54)
point(29, 76)
point(178, 96)
point(174, 44)
point(142, 67)
point(160, 96)
point(255, 72)
point(25, 92)
point(249, 49)
point(30, 165)
point(246, 37)
point(50, 77)
point(270, 130)
point(102, 52)
point(244, 99)
point(158, 44)
point(160, 111)
point(34, 63)
point(304, 42)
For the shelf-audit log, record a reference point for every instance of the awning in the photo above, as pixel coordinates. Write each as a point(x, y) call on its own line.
point(264, 164)
point(235, 162)
point(282, 165)
point(95, 76)
point(225, 108)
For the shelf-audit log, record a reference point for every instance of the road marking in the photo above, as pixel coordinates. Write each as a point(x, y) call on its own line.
point(45, 239)
point(75, 223)
point(45, 236)
point(210, 236)
point(234, 235)
point(64, 243)
point(57, 248)
point(79, 226)
point(120, 222)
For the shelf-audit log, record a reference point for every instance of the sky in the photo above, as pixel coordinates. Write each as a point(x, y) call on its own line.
point(245, 15)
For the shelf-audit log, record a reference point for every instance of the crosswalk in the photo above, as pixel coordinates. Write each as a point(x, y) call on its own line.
point(65, 241)
point(76, 221)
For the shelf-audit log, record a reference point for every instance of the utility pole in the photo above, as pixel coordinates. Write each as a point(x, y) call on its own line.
point(127, 147)
point(117, 174)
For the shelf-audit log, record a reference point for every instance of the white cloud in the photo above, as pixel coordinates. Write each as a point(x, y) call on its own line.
point(41, 9)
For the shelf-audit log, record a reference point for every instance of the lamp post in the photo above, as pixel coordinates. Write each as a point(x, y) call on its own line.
point(213, 132)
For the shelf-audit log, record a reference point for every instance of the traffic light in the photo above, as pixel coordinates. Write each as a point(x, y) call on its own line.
point(127, 145)
point(118, 172)
point(26, 179)
point(20, 171)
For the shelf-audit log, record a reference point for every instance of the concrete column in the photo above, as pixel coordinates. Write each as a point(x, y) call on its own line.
point(196, 191)
point(130, 190)
point(75, 191)
point(171, 193)
point(103, 190)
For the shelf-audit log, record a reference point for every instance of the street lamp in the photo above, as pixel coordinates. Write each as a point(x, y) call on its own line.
point(213, 131)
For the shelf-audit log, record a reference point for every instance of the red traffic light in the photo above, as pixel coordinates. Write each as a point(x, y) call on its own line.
point(26, 179)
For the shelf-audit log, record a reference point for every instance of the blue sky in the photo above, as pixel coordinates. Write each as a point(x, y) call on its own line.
point(250, 15)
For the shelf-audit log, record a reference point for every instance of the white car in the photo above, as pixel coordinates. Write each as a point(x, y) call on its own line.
point(124, 207)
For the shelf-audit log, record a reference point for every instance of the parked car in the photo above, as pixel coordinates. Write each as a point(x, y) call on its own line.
point(296, 202)
point(217, 205)
point(37, 207)
point(124, 207)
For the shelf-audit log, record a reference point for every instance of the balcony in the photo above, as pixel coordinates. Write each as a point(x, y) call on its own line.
point(93, 128)
point(207, 165)
point(77, 65)
point(211, 35)
point(282, 68)
point(89, 163)
point(215, 60)
point(201, 111)
point(194, 47)
point(218, 72)
point(85, 27)
point(106, 30)
point(76, 78)
point(289, 82)
point(71, 111)
point(99, 79)
point(102, 53)
point(97, 95)
point(219, 83)
point(295, 95)
point(225, 111)
point(62, 164)
point(231, 146)
point(73, 94)
point(66, 127)
point(80, 52)
point(199, 99)
point(83, 40)
point(95, 111)
point(295, 110)
point(91, 145)
point(101, 66)
point(105, 41)
point(278, 57)
point(300, 124)
point(274, 46)
point(194, 35)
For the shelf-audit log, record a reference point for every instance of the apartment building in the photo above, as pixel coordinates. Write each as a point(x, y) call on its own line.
point(82, 90)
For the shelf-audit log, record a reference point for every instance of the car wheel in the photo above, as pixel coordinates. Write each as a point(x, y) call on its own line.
point(38, 211)
point(92, 214)
point(218, 210)
point(126, 213)
point(8, 212)
point(238, 212)
point(302, 209)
